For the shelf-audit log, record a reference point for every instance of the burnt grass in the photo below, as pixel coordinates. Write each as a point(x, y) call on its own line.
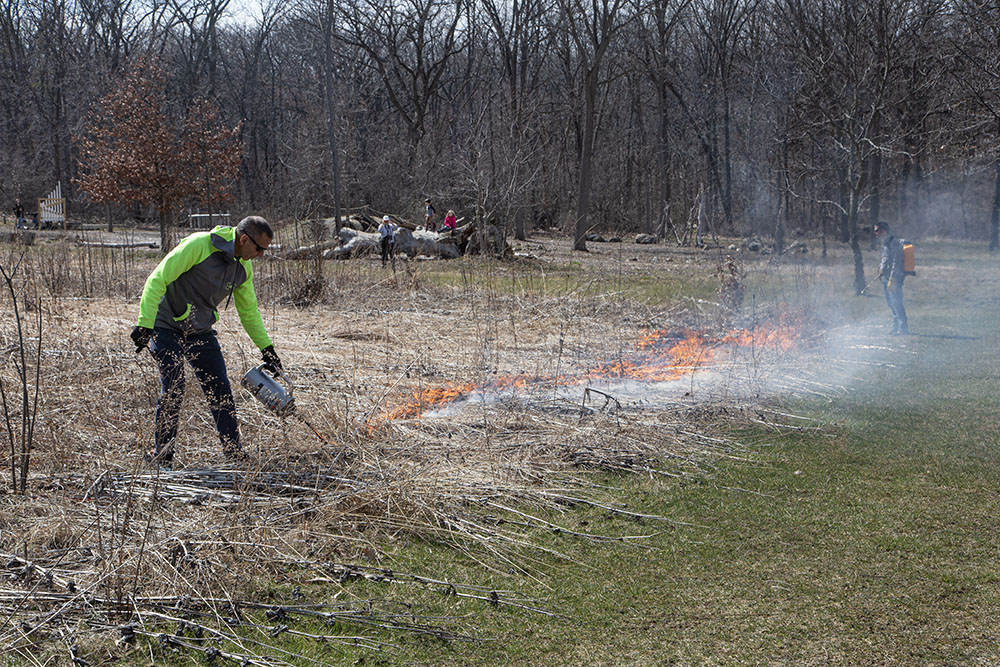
point(843, 511)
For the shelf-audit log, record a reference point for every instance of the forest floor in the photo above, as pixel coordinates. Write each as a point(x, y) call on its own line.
point(571, 458)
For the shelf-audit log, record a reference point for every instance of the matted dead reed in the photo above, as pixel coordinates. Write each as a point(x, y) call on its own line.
point(103, 547)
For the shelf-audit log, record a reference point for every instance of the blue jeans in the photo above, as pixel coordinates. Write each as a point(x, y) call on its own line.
point(894, 297)
point(202, 351)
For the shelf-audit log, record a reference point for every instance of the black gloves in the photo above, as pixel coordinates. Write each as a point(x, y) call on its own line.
point(271, 359)
point(140, 336)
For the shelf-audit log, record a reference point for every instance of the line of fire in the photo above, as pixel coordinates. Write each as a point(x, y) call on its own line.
point(658, 355)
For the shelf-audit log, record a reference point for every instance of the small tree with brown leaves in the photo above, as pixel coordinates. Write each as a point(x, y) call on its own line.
point(134, 151)
point(214, 153)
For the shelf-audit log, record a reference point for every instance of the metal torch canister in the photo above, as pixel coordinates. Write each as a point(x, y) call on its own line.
point(269, 391)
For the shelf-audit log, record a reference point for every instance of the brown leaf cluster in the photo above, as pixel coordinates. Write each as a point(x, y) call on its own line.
point(134, 150)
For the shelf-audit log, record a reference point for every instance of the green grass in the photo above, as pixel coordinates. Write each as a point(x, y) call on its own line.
point(873, 541)
point(568, 280)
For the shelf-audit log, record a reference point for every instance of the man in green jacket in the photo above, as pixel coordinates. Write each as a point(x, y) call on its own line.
point(176, 314)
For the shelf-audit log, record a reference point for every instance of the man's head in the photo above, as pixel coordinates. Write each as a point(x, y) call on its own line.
point(253, 236)
point(882, 230)
point(385, 218)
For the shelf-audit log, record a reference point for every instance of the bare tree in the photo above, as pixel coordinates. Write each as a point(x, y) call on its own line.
point(655, 44)
point(850, 51)
point(594, 26)
point(409, 45)
point(196, 42)
point(518, 31)
point(977, 70)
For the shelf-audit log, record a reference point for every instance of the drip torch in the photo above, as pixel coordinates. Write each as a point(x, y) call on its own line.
point(274, 395)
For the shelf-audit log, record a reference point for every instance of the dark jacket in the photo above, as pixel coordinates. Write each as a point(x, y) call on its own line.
point(891, 266)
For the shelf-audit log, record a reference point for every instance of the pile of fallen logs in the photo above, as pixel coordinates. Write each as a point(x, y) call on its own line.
point(359, 236)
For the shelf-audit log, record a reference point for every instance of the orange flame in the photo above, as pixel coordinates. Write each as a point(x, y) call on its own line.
point(431, 397)
point(661, 356)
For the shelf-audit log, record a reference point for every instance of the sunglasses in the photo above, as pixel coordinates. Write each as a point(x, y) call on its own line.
point(260, 248)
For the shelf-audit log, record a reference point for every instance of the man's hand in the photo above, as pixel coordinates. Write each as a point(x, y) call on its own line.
point(271, 359)
point(140, 336)
point(891, 285)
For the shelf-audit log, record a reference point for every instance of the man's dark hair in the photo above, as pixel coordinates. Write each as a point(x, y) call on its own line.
point(254, 226)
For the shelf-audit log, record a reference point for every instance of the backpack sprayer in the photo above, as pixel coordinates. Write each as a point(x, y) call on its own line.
point(273, 394)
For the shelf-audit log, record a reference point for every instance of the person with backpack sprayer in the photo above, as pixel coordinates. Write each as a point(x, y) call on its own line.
point(176, 314)
point(893, 270)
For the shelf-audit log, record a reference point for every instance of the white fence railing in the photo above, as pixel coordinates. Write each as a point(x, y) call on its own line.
point(52, 209)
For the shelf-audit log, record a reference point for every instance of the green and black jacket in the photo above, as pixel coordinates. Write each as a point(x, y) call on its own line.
point(184, 291)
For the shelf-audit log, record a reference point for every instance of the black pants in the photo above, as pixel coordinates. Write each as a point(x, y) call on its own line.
point(171, 349)
point(388, 248)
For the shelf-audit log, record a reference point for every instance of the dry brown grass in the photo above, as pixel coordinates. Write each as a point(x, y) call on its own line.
point(101, 537)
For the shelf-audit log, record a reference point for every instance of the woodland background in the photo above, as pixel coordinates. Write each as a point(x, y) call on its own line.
point(750, 116)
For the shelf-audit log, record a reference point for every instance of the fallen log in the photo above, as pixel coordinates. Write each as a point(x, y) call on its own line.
point(122, 244)
point(403, 224)
point(411, 243)
point(422, 242)
point(364, 223)
point(306, 252)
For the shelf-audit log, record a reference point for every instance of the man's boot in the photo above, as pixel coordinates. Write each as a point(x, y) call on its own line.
point(163, 459)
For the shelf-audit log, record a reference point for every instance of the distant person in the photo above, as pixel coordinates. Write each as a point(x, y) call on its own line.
point(180, 304)
point(450, 221)
point(19, 214)
point(429, 223)
point(387, 240)
point(34, 220)
point(890, 270)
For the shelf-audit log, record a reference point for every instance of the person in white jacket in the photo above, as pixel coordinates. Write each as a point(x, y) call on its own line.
point(387, 240)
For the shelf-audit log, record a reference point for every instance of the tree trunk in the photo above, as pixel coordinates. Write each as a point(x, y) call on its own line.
point(859, 263)
point(663, 157)
point(783, 203)
point(164, 216)
point(876, 210)
point(845, 230)
point(331, 113)
point(727, 184)
point(856, 192)
point(995, 215)
point(586, 161)
point(918, 218)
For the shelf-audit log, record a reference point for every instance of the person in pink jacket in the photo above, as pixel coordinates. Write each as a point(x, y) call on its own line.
point(450, 221)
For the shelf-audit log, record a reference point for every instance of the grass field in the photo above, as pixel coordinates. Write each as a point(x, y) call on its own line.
point(872, 541)
point(866, 534)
